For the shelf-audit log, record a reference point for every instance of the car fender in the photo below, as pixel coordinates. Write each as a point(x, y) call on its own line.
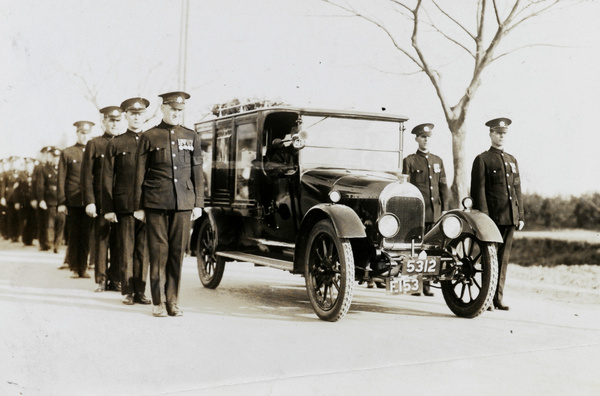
point(346, 222)
point(474, 222)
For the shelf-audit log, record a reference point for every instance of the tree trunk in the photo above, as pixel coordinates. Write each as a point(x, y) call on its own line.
point(460, 185)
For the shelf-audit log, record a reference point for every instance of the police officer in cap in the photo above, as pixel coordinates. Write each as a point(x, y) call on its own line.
point(169, 195)
point(52, 224)
point(105, 237)
point(70, 201)
point(118, 190)
point(496, 191)
point(426, 171)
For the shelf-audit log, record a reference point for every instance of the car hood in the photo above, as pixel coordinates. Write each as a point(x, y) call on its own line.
point(352, 184)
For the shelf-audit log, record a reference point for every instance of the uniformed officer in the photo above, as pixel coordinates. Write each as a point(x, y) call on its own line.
point(169, 194)
point(13, 204)
point(105, 236)
point(70, 200)
point(117, 188)
point(27, 203)
point(426, 171)
point(51, 222)
point(496, 191)
point(40, 213)
point(3, 212)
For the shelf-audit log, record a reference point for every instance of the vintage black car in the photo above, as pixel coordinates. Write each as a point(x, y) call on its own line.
point(321, 193)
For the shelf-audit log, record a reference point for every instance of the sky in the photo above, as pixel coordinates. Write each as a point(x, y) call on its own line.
point(301, 52)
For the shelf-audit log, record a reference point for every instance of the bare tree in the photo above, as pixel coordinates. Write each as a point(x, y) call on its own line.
point(479, 42)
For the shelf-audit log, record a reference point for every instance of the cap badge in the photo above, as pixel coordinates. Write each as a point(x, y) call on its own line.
point(179, 99)
point(137, 105)
point(426, 129)
point(115, 112)
point(502, 124)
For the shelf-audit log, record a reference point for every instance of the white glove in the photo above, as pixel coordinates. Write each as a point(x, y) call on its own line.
point(90, 210)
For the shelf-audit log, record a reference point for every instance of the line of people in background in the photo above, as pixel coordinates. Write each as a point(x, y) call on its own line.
point(129, 200)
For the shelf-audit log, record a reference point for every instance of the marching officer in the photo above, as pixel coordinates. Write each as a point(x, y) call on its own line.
point(52, 223)
point(3, 187)
point(70, 201)
point(13, 205)
point(105, 236)
point(27, 202)
point(426, 171)
point(496, 191)
point(39, 174)
point(118, 190)
point(169, 195)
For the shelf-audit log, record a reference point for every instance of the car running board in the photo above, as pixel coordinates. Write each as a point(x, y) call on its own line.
point(256, 259)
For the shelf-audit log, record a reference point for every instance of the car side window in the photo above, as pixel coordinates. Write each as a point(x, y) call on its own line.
point(246, 155)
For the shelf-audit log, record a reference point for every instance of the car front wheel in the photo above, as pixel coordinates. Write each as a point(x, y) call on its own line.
point(472, 289)
point(210, 266)
point(329, 272)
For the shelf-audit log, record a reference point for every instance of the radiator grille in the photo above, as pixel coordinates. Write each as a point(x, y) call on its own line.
point(409, 211)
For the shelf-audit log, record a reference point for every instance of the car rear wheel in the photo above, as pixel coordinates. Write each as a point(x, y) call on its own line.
point(329, 272)
point(473, 287)
point(210, 266)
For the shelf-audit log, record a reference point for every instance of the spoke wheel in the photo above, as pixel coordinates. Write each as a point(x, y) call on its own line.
point(210, 266)
point(472, 289)
point(329, 272)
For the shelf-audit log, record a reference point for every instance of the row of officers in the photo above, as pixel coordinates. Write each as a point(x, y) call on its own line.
point(495, 190)
point(129, 200)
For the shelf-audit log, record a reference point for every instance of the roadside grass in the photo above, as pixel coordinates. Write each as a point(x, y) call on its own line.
point(551, 248)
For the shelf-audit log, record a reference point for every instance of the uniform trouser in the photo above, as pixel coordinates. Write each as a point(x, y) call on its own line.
point(15, 226)
point(168, 231)
point(134, 254)
point(507, 232)
point(42, 228)
point(29, 221)
point(56, 226)
point(105, 239)
point(3, 222)
point(92, 244)
point(78, 239)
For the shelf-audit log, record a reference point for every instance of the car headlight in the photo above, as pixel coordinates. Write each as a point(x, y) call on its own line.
point(452, 227)
point(388, 225)
point(467, 203)
point(335, 196)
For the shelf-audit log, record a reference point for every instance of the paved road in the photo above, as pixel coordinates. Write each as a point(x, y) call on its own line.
point(257, 334)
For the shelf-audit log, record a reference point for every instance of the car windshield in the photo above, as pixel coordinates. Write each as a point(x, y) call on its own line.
point(351, 144)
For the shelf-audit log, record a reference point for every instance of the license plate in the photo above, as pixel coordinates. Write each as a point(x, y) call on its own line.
point(425, 266)
point(404, 285)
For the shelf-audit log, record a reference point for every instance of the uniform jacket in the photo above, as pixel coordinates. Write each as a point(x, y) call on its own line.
point(426, 172)
point(91, 171)
point(119, 173)
point(169, 169)
point(46, 184)
point(24, 193)
point(69, 176)
point(496, 187)
point(13, 179)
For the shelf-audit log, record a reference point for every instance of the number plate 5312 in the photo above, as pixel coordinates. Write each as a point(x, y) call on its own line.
point(426, 266)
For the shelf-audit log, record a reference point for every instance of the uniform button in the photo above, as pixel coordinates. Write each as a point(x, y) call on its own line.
point(510, 198)
point(431, 188)
point(506, 163)
point(175, 180)
point(172, 131)
point(174, 167)
point(429, 166)
point(432, 198)
point(508, 186)
point(430, 177)
point(507, 175)
point(137, 137)
point(173, 155)
point(172, 142)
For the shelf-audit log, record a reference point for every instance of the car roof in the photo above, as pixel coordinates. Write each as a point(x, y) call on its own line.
point(319, 112)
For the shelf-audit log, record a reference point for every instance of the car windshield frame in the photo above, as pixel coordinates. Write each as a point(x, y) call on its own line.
point(342, 142)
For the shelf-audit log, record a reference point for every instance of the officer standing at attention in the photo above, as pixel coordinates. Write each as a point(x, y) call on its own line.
point(70, 201)
point(105, 236)
point(169, 195)
point(426, 172)
point(117, 188)
point(496, 191)
point(51, 223)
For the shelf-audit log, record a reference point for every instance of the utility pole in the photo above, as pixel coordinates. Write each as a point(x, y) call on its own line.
point(185, 6)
